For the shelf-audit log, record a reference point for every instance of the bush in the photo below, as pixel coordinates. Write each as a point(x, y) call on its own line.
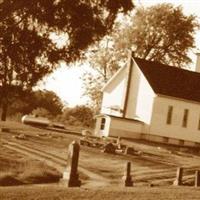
point(79, 115)
point(42, 112)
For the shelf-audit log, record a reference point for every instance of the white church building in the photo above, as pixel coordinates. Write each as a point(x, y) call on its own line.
point(151, 101)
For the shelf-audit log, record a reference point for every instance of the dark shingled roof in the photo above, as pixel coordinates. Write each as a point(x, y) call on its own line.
point(171, 81)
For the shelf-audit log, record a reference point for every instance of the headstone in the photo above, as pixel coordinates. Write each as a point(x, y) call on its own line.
point(84, 142)
point(179, 176)
point(71, 173)
point(129, 150)
point(109, 148)
point(197, 178)
point(128, 182)
point(21, 136)
point(86, 133)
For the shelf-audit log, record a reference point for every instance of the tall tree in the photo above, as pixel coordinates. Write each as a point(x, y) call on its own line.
point(159, 33)
point(47, 100)
point(27, 28)
point(82, 114)
point(30, 101)
point(104, 65)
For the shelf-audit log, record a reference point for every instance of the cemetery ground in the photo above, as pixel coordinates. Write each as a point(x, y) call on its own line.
point(32, 161)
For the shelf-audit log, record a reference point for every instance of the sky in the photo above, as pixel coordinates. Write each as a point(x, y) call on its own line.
point(66, 81)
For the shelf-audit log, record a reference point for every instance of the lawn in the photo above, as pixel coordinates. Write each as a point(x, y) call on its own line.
point(18, 169)
point(54, 192)
point(154, 166)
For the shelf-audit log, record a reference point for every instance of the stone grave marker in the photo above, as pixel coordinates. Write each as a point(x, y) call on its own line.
point(109, 148)
point(129, 150)
point(71, 173)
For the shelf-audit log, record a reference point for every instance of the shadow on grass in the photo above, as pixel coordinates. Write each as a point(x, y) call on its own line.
point(32, 172)
point(9, 180)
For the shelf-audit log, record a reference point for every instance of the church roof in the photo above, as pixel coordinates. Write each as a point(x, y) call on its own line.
point(171, 81)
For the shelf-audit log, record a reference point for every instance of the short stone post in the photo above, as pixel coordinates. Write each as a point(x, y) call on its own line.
point(71, 173)
point(118, 142)
point(197, 178)
point(179, 176)
point(127, 176)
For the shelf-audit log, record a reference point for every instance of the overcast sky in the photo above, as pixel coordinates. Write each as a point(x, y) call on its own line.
point(66, 81)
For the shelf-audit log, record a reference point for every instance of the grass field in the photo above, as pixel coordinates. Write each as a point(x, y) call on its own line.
point(52, 192)
point(100, 173)
point(17, 169)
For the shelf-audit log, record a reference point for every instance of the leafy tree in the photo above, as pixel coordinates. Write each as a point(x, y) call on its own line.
point(47, 100)
point(92, 89)
point(42, 112)
point(27, 50)
point(158, 33)
point(81, 114)
point(18, 105)
point(104, 65)
point(38, 101)
point(19, 64)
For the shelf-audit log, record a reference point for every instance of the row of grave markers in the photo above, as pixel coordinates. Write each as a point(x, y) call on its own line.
point(72, 177)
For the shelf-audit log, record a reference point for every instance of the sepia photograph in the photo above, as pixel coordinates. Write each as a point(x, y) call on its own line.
point(99, 99)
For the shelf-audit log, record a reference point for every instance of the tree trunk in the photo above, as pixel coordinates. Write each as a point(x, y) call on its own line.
point(4, 110)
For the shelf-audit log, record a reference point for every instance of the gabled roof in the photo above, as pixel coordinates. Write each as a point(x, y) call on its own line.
point(111, 80)
point(171, 81)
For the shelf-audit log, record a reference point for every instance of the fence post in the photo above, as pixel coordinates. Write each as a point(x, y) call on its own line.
point(179, 176)
point(197, 178)
point(127, 176)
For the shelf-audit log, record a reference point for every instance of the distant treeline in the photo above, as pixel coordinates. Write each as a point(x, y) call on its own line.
point(48, 104)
